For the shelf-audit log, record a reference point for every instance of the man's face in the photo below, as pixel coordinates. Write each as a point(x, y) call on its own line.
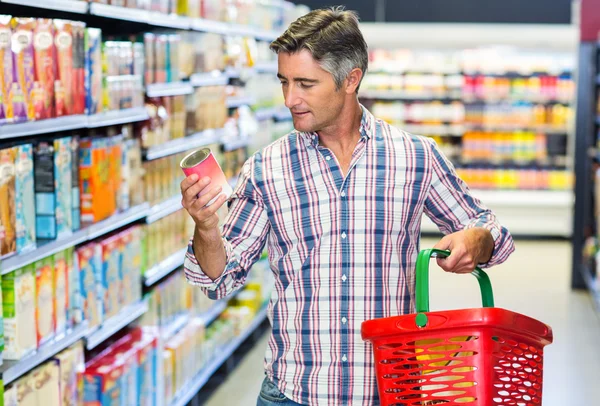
point(309, 92)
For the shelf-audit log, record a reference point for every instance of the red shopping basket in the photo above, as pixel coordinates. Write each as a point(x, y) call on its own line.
point(483, 357)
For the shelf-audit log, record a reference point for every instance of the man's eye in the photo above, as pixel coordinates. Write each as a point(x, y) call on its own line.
point(305, 86)
point(283, 83)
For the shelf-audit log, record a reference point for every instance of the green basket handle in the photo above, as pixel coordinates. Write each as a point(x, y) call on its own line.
point(422, 290)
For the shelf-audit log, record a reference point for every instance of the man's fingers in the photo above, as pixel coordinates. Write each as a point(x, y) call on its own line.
point(188, 181)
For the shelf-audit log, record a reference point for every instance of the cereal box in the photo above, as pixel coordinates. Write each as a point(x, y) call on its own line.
point(93, 70)
point(79, 67)
point(44, 305)
point(127, 354)
point(131, 264)
point(168, 374)
point(97, 196)
point(111, 275)
point(74, 301)
point(8, 235)
point(60, 292)
point(65, 84)
point(6, 76)
point(71, 365)
point(147, 372)
point(87, 258)
point(103, 383)
point(131, 193)
point(10, 395)
point(25, 199)
point(44, 186)
point(18, 309)
point(23, 63)
point(47, 383)
point(115, 165)
point(63, 185)
point(26, 391)
point(45, 66)
point(75, 201)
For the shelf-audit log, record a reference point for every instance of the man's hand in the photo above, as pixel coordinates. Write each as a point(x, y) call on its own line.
point(468, 248)
point(205, 218)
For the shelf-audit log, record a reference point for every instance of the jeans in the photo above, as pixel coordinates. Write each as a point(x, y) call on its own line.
point(271, 396)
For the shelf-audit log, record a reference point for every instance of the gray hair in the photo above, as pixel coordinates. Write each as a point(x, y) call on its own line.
point(333, 38)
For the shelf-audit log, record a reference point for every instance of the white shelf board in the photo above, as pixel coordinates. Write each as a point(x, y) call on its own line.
point(216, 78)
point(51, 125)
point(232, 145)
point(117, 117)
point(165, 267)
point(164, 209)
point(169, 330)
point(126, 316)
point(200, 139)
point(266, 113)
point(216, 27)
point(215, 311)
point(238, 101)
point(169, 20)
point(117, 221)
point(70, 6)
point(189, 390)
point(119, 13)
point(12, 370)
point(266, 67)
point(169, 89)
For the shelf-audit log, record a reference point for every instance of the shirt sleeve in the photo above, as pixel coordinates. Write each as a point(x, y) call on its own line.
point(452, 207)
point(245, 232)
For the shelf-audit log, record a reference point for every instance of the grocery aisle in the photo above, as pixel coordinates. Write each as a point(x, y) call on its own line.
point(534, 281)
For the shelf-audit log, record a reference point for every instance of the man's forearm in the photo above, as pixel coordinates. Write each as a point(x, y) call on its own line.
point(210, 252)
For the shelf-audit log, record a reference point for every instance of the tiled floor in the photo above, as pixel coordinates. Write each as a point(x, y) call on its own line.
point(534, 281)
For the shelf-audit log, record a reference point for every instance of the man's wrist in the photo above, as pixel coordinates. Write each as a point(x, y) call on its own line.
point(486, 244)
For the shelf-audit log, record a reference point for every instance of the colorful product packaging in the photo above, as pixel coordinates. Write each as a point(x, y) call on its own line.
point(47, 379)
point(26, 395)
point(147, 369)
point(74, 304)
point(63, 185)
point(65, 78)
point(115, 164)
point(23, 64)
point(150, 58)
point(44, 305)
point(25, 199)
point(8, 234)
point(111, 275)
point(45, 67)
point(45, 197)
point(97, 196)
point(75, 200)
point(103, 382)
point(71, 366)
point(18, 309)
point(60, 292)
point(7, 77)
point(79, 65)
point(87, 258)
point(93, 70)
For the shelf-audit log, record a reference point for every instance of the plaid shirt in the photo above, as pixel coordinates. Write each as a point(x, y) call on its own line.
point(343, 250)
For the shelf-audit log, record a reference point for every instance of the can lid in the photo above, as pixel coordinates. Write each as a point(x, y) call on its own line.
point(195, 158)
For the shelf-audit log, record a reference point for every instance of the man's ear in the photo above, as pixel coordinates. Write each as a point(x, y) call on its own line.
point(353, 80)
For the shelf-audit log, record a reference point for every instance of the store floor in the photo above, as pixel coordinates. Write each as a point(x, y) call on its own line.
point(534, 281)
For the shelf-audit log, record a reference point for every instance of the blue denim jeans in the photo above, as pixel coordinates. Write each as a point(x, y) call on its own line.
point(271, 396)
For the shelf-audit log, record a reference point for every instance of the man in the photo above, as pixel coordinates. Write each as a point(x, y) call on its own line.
point(338, 202)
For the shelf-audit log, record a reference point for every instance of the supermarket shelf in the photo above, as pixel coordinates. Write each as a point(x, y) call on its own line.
point(165, 267)
point(169, 89)
point(126, 316)
point(18, 261)
point(118, 117)
point(399, 95)
point(267, 67)
point(433, 129)
point(509, 100)
point(176, 146)
point(216, 27)
point(283, 115)
point(521, 198)
point(235, 102)
point(51, 125)
point(70, 6)
point(215, 311)
point(169, 21)
point(512, 127)
point(168, 331)
point(232, 145)
point(119, 13)
point(266, 113)
point(12, 370)
point(190, 390)
point(215, 78)
point(117, 221)
point(163, 209)
point(267, 35)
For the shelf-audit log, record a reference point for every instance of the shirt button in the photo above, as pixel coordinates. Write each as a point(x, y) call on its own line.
point(343, 194)
point(328, 158)
point(344, 278)
point(344, 358)
point(344, 320)
point(344, 235)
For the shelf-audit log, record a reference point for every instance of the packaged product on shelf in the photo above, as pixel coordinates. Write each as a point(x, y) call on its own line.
point(18, 309)
point(147, 368)
point(131, 262)
point(111, 275)
point(96, 187)
point(168, 375)
point(115, 156)
point(45, 191)
point(47, 379)
point(75, 200)
point(45, 66)
point(60, 292)
point(71, 367)
point(65, 76)
point(103, 382)
point(150, 58)
point(93, 70)
point(131, 193)
point(74, 304)
point(63, 185)
point(8, 232)
point(7, 79)
point(160, 58)
point(44, 303)
point(24, 199)
point(89, 260)
point(26, 395)
point(10, 395)
point(24, 65)
point(173, 58)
